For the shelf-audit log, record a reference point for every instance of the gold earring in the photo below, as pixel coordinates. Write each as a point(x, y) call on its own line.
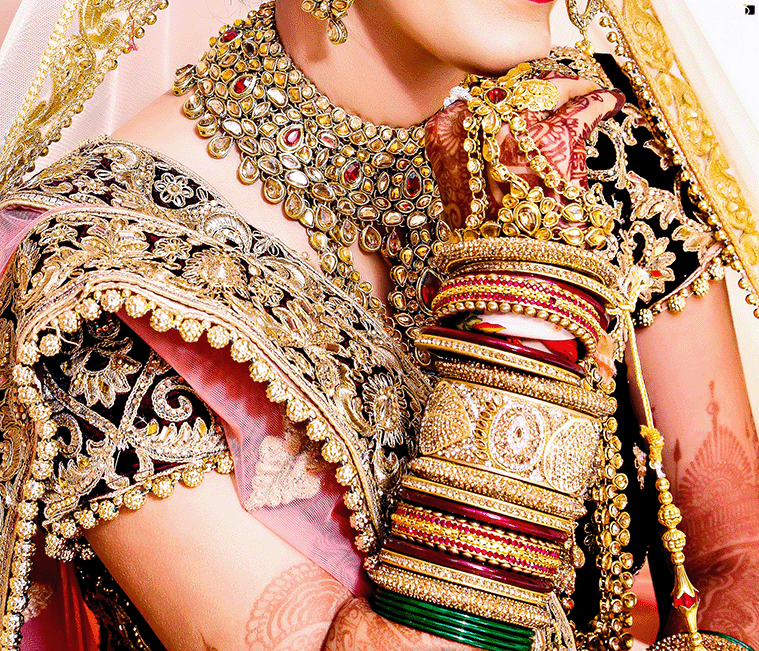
point(581, 20)
point(332, 10)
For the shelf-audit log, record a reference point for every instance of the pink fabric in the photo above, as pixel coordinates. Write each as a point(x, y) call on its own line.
point(15, 223)
point(318, 527)
point(61, 621)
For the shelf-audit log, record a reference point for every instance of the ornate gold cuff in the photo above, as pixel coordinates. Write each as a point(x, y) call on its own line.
point(472, 424)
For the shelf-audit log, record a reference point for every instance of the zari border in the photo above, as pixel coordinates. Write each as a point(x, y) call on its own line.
point(75, 65)
point(671, 104)
point(109, 290)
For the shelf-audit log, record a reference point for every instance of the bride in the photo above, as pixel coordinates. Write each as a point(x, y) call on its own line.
point(147, 423)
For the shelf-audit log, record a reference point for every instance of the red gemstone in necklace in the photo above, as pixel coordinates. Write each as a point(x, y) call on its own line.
point(413, 184)
point(352, 173)
point(292, 136)
point(242, 84)
point(429, 286)
point(496, 95)
point(229, 36)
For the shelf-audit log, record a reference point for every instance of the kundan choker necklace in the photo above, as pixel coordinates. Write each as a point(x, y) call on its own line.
point(344, 179)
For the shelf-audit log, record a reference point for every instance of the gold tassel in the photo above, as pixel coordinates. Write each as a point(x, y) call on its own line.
point(684, 594)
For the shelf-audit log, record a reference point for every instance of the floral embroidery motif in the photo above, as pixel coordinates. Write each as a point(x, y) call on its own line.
point(123, 415)
point(102, 383)
point(173, 189)
point(289, 468)
point(387, 409)
point(651, 218)
point(39, 597)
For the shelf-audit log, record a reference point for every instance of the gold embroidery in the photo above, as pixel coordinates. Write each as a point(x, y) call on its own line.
point(74, 65)
point(101, 384)
point(289, 468)
point(635, 242)
point(185, 440)
point(363, 409)
point(658, 77)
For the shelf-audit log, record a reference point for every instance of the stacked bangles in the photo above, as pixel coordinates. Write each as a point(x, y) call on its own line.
point(481, 545)
point(546, 299)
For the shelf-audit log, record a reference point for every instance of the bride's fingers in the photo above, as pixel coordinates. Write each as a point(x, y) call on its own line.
point(561, 135)
point(570, 88)
point(444, 139)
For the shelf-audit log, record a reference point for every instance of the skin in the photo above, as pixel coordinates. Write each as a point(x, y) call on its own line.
point(191, 576)
point(701, 407)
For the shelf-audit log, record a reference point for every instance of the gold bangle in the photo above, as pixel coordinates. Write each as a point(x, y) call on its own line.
point(491, 484)
point(609, 297)
point(593, 403)
point(470, 424)
point(523, 249)
point(502, 358)
point(488, 503)
point(469, 600)
point(458, 577)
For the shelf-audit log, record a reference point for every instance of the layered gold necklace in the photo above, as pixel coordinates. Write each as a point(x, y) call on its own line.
point(344, 179)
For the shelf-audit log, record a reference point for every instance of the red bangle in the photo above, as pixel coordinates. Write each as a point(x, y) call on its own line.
point(466, 565)
point(480, 515)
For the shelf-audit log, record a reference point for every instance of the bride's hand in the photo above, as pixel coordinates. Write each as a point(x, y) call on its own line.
point(560, 136)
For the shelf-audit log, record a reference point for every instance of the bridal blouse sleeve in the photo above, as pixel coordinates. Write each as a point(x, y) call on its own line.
point(151, 335)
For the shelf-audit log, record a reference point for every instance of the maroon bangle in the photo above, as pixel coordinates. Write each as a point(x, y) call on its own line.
point(506, 346)
point(480, 515)
point(465, 565)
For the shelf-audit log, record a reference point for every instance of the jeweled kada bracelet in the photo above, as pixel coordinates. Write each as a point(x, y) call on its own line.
point(481, 546)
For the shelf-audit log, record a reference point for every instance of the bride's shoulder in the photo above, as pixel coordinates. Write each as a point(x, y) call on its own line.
point(163, 127)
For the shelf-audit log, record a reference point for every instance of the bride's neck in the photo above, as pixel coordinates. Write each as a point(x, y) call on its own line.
point(379, 74)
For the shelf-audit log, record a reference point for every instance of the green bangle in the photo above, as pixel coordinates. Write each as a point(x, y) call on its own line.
point(471, 631)
point(452, 624)
point(508, 631)
point(450, 632)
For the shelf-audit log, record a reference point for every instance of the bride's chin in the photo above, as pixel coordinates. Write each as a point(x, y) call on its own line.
point(495, 56)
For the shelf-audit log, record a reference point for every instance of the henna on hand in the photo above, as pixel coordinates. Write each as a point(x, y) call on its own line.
point(358, 628)
point(560, 135)
point(719, 496)
point(295, 611)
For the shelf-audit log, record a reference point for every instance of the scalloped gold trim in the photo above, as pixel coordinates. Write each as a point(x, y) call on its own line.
point(660, 80)
point(164, 316)
point(63, 540)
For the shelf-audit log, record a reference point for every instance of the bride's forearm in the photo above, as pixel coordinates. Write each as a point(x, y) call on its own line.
point(711, 456)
